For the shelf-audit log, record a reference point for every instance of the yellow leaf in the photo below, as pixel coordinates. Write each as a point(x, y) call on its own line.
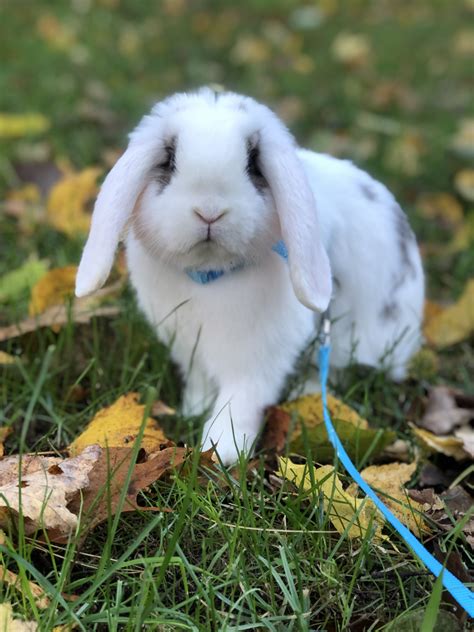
point(464, 184)
point(348, 514)
point(52, 289)
point(390, 480)
point(351, 49)
point(9, 624)
point(441, 206)
point(6, 359)
point(453, 324)
point(448, 445)
point(118, 426)
point(4, 432)
point(67, 202)
point(18, 125)
point(310, 409)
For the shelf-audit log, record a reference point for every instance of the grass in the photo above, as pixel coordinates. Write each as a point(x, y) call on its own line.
point(250, 554)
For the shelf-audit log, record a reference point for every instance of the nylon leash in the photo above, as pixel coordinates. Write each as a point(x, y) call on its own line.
point(451, 583)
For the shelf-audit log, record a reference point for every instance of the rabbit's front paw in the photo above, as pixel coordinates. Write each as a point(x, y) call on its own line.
point(228, 441)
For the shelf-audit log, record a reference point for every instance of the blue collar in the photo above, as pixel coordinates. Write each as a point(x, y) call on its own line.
point(203, 277)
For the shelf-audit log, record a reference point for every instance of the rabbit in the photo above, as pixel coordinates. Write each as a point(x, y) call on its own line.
point(237, 240)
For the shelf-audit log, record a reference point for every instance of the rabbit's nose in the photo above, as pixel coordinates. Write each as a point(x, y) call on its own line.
point(208, 218)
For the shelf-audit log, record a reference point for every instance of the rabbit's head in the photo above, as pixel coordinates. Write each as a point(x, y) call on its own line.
point(210, 181)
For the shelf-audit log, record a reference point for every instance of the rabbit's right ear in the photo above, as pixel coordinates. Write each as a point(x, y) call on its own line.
point(113, 208)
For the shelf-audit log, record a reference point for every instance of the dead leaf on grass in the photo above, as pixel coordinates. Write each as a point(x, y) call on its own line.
point(118, 425)
point(449, 445)
point(19, 125)
point(46, 486)
point(443, 413)
point(12, 579)
point(9, 624)
point(309, 427)
point(56, 316)
point(389, 483)
point(67, 201)
point(346, 512)
point(452, 324)
point(6, 359)
point(53, 288)
point(4, 432)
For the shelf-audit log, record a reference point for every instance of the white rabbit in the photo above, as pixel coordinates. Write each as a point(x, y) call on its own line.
point(207, 187)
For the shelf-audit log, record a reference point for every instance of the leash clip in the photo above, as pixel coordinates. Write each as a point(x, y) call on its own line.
point(325, 329)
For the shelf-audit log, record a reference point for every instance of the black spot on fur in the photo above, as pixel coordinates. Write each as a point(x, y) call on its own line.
point(390, 310)
point(406, 240)
point(368, 191)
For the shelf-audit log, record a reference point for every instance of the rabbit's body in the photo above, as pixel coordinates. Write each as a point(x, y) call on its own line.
point(215, 206)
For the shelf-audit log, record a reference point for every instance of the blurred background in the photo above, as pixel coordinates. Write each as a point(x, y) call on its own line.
point(386, 83)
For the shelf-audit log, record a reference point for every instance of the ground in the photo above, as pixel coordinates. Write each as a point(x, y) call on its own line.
point(385, 84)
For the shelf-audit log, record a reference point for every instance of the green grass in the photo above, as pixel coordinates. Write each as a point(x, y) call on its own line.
point(250, 554)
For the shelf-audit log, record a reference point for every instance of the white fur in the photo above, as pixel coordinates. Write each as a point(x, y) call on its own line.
point(237, 339)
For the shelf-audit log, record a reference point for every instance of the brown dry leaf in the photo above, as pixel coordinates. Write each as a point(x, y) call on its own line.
point(4, 432)
point(388, 481)
point(68, 199)
point(47, 484)
point(102, 498)
point(351, 49)
point(443, 413)
point(450, 445)
point(41, 598)
point(441, 206)
point(347, 513)
point(52, 289)
point(454, 323)
point(81, 312)
point(19, 125)
point(9, 624)
point(464, 184)
point(118, 425)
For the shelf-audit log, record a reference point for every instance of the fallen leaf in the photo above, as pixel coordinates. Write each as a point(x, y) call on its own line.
point(6, 359)
point(346, 512)
point(404, 153)
point(454, 323)
point(441, 206)
point(14, 283)
point(309, 428)
point(53, 288)
point(442, 413)
point(4, 432)
point(103, 496)
point(81, 312)
point(68, 199)
point(466, 435)
point(9, 624)
point(463, 237)
point(464, 184)
point(118, 426)
point(12, 579)
point(351, 49)
point(463, 141)
point(389, 483)
point(18, 125)
point(450, 445)
point(44, 490)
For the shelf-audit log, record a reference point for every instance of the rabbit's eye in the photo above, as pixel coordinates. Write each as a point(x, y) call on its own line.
point(253, 168)
point(166, 168)
point(169, 163)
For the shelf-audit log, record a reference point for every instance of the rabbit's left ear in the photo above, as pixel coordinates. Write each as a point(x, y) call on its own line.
point(310, 271)
point(113, 208)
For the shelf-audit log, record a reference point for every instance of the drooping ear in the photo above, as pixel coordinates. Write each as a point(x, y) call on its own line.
point(296, 207)
point(113, 208)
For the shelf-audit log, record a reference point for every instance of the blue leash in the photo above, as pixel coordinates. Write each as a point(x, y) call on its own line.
point(457, 589)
